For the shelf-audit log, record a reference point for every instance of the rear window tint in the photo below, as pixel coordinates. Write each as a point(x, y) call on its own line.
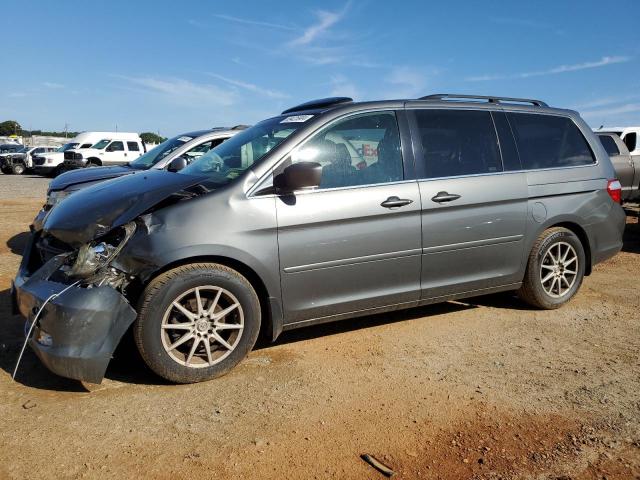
point(609, 145)
point(457, 142)
point(133, 147)
point(546, 141)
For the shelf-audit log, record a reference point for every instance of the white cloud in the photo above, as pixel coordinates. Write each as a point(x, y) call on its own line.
point(407, 82)
point(343, 87)
point(17, 94)
point(325, 21)
point(251, 87)
point(604, 61)
point(183, 91)
point(604, 102)
point(257, 23)
point(608, 112)
point(53, 85)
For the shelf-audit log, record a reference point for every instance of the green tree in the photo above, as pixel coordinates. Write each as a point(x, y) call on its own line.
point(150, 137)
point(10, 127)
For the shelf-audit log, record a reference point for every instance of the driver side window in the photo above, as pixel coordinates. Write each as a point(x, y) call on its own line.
point(360, 150)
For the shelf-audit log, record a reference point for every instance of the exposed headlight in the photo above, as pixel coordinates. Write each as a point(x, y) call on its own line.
point(57, 196)
point(100, 253)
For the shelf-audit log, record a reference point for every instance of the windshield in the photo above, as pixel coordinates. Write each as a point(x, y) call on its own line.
point(153, 156)
point(67, 146)
point(23, 150)
point(231, 158)
point(101, 144)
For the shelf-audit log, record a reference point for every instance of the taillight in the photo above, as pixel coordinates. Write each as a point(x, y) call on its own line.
point(614, 189)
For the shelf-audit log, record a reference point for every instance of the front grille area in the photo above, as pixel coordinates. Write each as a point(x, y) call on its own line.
point(72, 156)
point(48, 247)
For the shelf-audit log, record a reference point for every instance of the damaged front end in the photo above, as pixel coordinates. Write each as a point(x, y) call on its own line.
point(81, 298)
point(70, 277)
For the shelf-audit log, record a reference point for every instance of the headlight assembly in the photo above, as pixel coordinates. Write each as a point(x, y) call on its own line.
point(56, 197)
point(100, 253)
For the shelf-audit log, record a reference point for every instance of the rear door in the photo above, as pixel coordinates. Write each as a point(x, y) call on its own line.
point(621, 159)
point(354, 243)
point(473, 206)
point(134, 150)
point(114, 153)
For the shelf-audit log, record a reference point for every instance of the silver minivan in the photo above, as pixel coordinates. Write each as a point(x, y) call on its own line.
point(329, 211)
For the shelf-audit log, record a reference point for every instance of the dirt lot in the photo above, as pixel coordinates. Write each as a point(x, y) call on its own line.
point(485, 388)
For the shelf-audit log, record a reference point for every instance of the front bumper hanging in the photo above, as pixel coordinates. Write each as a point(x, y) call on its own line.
point(83, 325)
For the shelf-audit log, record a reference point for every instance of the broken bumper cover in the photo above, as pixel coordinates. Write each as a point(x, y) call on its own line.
point(82, 325)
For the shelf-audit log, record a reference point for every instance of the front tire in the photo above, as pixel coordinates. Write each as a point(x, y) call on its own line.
point(18, 169)
point(196, 322)
point(555, 269)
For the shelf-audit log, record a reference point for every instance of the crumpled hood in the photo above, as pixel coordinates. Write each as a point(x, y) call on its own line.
point(85, 175)
point(97, 209)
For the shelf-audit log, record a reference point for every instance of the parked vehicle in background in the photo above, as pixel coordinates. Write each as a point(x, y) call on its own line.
point(627, 166)
point(284, 226)
point(629, 135)
point(117, 148)
point(10, 148)
point(187, 146)
point(22, 160)
point(52, 163)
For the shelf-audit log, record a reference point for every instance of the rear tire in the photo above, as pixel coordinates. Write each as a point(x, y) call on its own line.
point(182, 330)
point(555, 269)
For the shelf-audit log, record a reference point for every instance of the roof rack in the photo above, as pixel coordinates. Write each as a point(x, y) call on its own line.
point(490, 99)
point(320, 103)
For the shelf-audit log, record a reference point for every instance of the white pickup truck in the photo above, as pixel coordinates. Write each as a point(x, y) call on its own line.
point(117, 148)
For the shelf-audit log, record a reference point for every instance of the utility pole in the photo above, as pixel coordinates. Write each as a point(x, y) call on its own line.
point(66, 129)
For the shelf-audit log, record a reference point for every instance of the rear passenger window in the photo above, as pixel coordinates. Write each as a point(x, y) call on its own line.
point(630, 140)
point(361, 150)
point(546, 141)
point(609, 145)
point(133, 146)
point(457, 142)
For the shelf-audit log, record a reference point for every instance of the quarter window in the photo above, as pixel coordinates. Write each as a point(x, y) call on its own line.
point(360, 150)
point(133, 146)
point(457, 142)
point(546, 141)
point(630, 140)
point(609, 145)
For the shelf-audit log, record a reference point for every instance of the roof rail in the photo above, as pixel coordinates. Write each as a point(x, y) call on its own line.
point(240, 127)
point(490, 99)
point(320, 103)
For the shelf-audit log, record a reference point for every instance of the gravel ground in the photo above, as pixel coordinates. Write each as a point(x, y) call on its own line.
point(485, 388)
point(14, 187)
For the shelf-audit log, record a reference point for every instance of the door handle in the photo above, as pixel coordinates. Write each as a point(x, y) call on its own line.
point(394, 202)
point(443, 197)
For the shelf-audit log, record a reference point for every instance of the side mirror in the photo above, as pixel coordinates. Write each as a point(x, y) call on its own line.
point(299, 176)
point(177, 164)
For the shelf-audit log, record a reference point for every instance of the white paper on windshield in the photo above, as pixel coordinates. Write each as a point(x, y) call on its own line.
point(296, 118)
point(185, 139)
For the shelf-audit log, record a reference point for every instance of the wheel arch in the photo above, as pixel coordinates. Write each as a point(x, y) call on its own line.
point(95, 160)
point(270, 306)
point(582, 236)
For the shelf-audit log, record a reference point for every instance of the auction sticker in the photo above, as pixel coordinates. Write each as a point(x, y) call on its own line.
point(296, 118)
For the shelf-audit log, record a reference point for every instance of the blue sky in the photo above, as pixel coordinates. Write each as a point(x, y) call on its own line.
point(171, 67)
